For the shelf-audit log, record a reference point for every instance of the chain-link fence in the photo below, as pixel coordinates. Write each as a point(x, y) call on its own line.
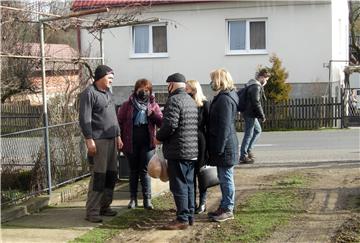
point(23, 161)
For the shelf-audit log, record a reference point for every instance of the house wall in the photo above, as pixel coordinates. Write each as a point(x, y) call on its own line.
point(340, 43)
point(299, 33)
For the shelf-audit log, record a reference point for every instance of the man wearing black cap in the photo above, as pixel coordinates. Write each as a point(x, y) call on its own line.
point(101, 130)
point(178, 134)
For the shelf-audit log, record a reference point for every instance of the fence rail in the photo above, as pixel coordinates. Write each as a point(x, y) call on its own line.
point(20, 117)
point(310, 113)
point(23, 162)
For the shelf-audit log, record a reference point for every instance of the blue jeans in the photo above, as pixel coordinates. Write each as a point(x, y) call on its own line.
point(251, 134)
point(181, 179)
point(226, 178)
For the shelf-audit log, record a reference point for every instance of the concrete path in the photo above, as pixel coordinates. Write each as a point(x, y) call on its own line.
point(66, 221)
point(60, 223)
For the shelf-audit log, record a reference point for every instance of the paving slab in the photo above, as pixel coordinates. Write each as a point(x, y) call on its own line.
point(65, 221)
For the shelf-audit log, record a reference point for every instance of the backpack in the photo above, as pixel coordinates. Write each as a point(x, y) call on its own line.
point(242, 99)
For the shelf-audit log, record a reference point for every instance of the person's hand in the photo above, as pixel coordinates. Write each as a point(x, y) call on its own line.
point(263, 120)
point(119, 143)
point(157, 142)
point(149, 112)
point(91, 147)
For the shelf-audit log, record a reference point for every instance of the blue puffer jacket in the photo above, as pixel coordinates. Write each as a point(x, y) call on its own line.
point(222, 141)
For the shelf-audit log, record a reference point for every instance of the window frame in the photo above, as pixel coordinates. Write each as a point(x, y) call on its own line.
point(150, 54)
point(247, 50)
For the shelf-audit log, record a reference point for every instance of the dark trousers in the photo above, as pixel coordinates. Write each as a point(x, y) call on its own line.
point(181, 179)
point(138, 164)
point(103, 177)
point(202, 193)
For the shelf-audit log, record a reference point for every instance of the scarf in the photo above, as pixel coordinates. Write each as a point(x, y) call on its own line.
point(141, 117)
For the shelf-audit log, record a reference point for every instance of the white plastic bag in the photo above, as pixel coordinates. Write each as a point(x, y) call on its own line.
point(164, 166)
point(154, 166)
point(157, 167)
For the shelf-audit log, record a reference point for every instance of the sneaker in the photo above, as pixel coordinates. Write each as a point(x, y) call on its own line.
point(226, 215)
point(108, 212)
point(93, 219)
point(176, 225)
point(251, 155)
point(132, 204)
point(215, 213)
point(201, 209)
point(246, 160)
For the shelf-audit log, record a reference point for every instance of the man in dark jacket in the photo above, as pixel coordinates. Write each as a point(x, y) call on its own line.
point(252, 114)
point(101, 130)
point(178, 134)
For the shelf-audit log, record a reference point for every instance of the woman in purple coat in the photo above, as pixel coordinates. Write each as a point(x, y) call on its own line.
point(138, 118)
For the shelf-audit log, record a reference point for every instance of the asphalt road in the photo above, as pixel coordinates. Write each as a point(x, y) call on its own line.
point(308, 146)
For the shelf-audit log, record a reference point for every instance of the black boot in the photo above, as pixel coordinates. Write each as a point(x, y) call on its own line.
point(148, 204)
point(133, 203)
point(201, 208)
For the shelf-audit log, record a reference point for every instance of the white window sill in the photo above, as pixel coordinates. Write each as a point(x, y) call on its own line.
point(252, 52)
point(147, 55)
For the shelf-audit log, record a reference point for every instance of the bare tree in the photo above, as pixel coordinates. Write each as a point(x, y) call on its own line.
point(19, 28)
point(354, 20)
point(16, 29)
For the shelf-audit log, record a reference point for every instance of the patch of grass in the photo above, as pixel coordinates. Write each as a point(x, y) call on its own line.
point(293, 180)
point(262, 212)
point(97, 235)
point(353, 203)
point(127, 220)
point(8, 195)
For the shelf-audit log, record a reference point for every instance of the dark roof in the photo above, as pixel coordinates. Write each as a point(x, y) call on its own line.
point(78, 5)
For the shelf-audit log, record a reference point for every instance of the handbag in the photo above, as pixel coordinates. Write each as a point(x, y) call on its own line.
point(208, 177)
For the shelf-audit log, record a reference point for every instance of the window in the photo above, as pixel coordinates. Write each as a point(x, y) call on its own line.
point(149, 41)
point(246, 37)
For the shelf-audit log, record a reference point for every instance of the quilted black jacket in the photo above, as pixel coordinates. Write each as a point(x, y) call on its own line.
point(179, 130)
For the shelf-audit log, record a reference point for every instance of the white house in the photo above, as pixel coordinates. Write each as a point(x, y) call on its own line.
point(196, 37)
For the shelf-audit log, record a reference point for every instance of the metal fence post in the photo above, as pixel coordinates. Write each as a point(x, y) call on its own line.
point(46, 122)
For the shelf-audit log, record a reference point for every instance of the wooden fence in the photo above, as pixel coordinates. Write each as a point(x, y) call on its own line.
point(312, 113)
point(19, 117)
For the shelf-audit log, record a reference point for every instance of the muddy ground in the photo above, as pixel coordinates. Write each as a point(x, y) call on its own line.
point(332, 209)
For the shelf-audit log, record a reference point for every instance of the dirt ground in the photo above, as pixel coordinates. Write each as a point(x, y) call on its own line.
point(332, 206)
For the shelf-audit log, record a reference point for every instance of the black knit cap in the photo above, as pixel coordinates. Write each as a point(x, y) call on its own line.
point(176, 78)
point(101, 71)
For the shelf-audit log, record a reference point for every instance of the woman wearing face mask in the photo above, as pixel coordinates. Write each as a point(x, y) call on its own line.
point(138, 118)
point(193, 88)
